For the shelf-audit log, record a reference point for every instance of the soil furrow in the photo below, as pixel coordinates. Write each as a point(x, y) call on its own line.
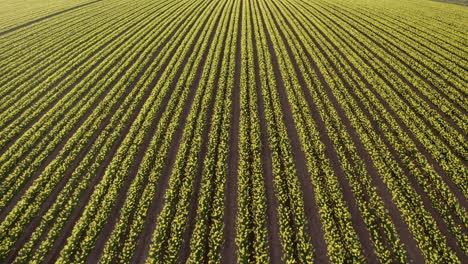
point(144, 240)
point(230, 210)
point(331, 154)
point(314, 225)
point(400, 76)
point(275, 247)
point(78, 212)
point(395, 116)
point(381, 188)
point(191, 218)
point(51, 156)
point(114, 214)
point(75, 83)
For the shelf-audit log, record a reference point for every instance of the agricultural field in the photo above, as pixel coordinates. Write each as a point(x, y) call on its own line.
point(233, 131)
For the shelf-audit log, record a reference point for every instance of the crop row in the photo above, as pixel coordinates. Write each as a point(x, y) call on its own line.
point(51, 54)
point(251, 238)
point(105, 194)
point(294, 235)
point(46, 134)
point(369, 146)
point(371, 206)
point(333, 211)
point(16, 13)
point(346, 122)
point(68, 156)
point(442, 199)
point(55, 85)
point(207, 238)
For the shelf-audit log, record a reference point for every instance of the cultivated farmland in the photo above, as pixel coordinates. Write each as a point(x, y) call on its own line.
point(233, 131)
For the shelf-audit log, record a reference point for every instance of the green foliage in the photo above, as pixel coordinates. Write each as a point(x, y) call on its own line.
point(92, 99)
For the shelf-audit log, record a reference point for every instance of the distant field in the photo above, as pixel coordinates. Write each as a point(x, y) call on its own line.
point(17, 12)
point(459, 2)
point(233, 131)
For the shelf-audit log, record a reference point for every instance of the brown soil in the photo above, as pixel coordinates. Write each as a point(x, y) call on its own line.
point(59, 147)
point(331, 154)
point(315, 227)
point(77, 81)
point(454, 189)
point(415, 89)
point(440, 223)
point(230, 210)
point(142, 248)
point(272, 202)
point(191, 218)
point(75, 42)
